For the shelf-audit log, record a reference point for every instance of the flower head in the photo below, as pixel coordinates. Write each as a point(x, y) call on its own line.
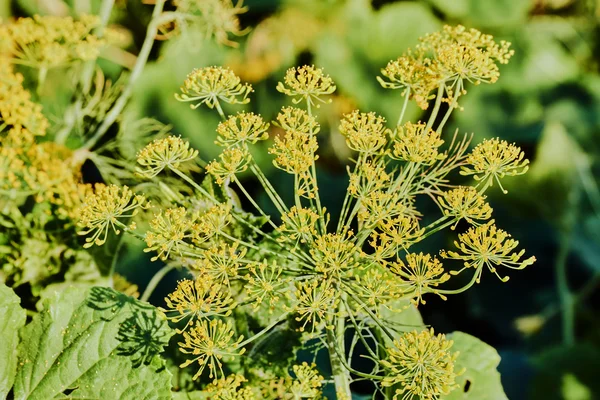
point(364, 132)
point(220, 263)
point(50, 41)
point(292, 119)
point(295, 153)
point(306, 83)
point(170, 230)
point(313, 301)
point(170, 152)
point(413, 144)
point(422, 364)
point(201, 298)
point(265, 285)
point(413, 74)
point(241, 129)
point(465, 202)
point(234, 161)
point(368, 178)
point(230, 389)
point(298, 225)
point(307, 383)
point(104, 210)
point(218, 18)
point(210, 342)
point(211, 85)
point(493, 159)
point(420, 274)
point(466, 54)
point(486, 245)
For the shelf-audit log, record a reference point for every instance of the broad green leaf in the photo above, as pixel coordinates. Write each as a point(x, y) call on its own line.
point(481, 380)
point(99, 343)
point(12, 318)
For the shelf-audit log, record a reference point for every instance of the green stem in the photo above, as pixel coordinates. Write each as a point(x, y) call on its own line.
point(156, 280)
point(220, 111)
point(450, 107)
point(262, 332)
point(401, 117)
point(136, 72)
point(335, 340)
point(436, 107)
point(567, 299)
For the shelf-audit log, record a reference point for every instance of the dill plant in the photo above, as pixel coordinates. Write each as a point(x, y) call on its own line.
point(307, 272)
point(333, 282)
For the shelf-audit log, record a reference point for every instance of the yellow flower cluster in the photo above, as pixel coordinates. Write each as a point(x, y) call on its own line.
point(210, 342)
point(198, 299)
point(364, 132)
point(18, 113)
point(295, 153)
point(216, 18)
point(421, 274)
point(493, 159)
point(465, 202)
point(486, 245)
point(292, 119)
point(242, 129)
point(415, 144)
point(446, 60)
point(49, 41)
point(170, 152)
point(234, 161)
point(211, 85)
point(306, 83)
point(422, 364)
point(105, 210)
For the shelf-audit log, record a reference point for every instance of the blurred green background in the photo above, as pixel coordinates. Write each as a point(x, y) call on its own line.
point(545, 321)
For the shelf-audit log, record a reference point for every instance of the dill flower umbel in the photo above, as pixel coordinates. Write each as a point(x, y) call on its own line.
point(295, 153)
point(211, 85)
point(170, 231)
point(201, 298)
point(306, 83)
point(421, 274)
point(314, 300)
point(210, 342)
point(364, 132)
point(465, 202)
point(170, 152)
point(233, 161)
point(486, 245)
point(415, 143)
point(422, 364)
point(413, 74)
point(104, 210)
point(242, 129)
point(50, 41)
point(265, 285)
point(493, 159)
point(307, 383)
point(218, 18)
point(292, 119)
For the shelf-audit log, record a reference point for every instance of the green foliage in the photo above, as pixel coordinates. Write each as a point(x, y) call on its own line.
point(93, 343)
point(12, 318)
point(478, 360)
